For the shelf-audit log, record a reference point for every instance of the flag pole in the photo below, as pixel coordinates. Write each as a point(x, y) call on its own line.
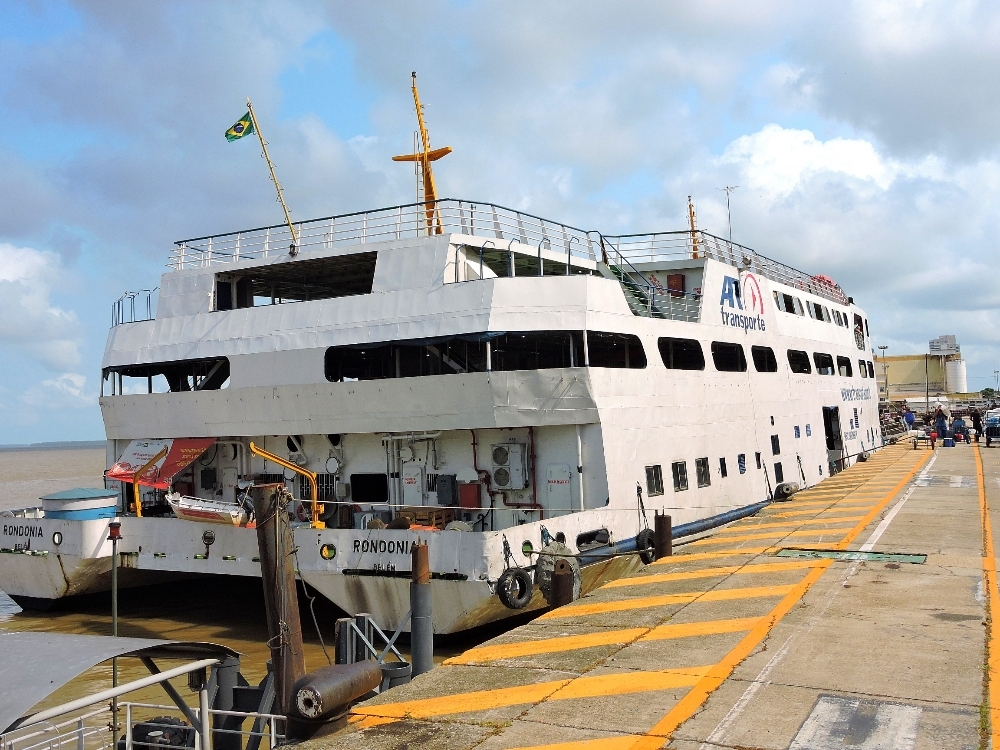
point(274, 178)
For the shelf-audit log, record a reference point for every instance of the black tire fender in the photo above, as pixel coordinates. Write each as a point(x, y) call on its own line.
point(515, 588)
point(646, 544)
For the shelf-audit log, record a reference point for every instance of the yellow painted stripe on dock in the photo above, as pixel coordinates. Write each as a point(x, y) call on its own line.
point(993, 616)
point(725, 538)
point(836, 510)
point(581, 687)
point(628, 742)
point(646, 602)
point(518, 649)
point(546, 646)
point(751, 551)
point(705, 627)
point(725, 570)
point(796, 524)
point(696, 697)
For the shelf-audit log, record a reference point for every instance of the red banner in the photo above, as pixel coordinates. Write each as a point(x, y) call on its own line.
point(180, 453)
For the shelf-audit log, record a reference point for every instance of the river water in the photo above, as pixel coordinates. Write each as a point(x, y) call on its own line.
point(227, 610)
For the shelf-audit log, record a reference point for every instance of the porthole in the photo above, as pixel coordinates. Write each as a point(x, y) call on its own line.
point(328, 551)
point(57, 538)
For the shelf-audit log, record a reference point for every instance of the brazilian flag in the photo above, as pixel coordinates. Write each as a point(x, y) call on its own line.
point(243, 126)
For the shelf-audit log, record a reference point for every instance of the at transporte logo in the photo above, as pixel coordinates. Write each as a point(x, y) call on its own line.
point(749, 317)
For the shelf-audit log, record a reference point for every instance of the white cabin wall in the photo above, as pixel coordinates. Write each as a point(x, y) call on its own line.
point(185, 293)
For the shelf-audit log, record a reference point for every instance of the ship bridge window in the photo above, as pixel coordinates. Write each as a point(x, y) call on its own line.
point(824, 363)
point(764, 359)
point(862, 369)
point(871, 370)
point(621, 350)
point(844, 367)
point(296, 281)
point(209, 374)
point(681, 354)
point(798, 361)
point(728, 357)
point(818, 311)
point(789, 304)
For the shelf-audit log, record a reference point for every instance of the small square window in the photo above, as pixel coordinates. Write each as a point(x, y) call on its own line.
point(775, 445)
point(722, 468)
point(797, 433)
point(654, 481)
point(741, 461)
point(759, 464)
point(680, 472)
point(779, 473)
point(809, 430)
point(703, 472)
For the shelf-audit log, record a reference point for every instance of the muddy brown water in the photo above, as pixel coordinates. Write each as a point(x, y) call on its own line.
point(228, 611)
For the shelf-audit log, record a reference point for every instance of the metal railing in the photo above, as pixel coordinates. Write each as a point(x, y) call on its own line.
point(133, 307)
point(264, 727)
point(88, 731)
point(497, 223)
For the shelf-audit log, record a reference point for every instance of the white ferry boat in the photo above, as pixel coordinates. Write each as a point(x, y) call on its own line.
point(485, 380)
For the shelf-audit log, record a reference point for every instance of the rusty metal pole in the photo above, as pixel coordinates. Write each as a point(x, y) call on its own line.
point(562, 583)
point(421, 614)
point(663, 541)
point(284, 630)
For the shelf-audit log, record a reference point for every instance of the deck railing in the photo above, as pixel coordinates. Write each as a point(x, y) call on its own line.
point(495, 222)
point(133, 307)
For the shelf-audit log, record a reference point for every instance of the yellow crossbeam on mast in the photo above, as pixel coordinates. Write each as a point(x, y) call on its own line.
point(294, 248)
point(424, 157)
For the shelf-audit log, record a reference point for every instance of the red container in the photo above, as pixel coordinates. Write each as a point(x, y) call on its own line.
point(469, 495)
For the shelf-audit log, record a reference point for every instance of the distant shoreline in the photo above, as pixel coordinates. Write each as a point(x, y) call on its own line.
point(63, 445)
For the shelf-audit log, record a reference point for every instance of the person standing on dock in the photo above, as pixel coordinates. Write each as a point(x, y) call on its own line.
point(941, 422)
point(977, 422)
point(908, 417)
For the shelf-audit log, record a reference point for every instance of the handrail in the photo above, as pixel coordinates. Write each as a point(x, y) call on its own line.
point(314, 523)
point(135, 479)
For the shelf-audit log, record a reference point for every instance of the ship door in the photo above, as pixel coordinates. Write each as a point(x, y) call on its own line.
point(831, 424)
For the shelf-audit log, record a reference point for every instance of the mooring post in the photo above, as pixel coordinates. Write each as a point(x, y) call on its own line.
point(284, 630)
point(421, 620)
point(562, 583)
point(663, 541)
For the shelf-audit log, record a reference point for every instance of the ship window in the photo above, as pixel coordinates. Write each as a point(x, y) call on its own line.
point(680, 472)
point(405, 359)
point(763, 359)
point(681, 354)
point(798, 361)
point(798, 306)
point(867, 333)
point(844, 367)
point(728, 357)
point(621, 350)
point(826, 314)
point(702, 471)
point(824, 363)
point(862, 368)
point(296, 281)
point(775, 445)
point(779, 474)
point(537, 350)
point(654, 480)
point(741, 462)
point(209, 374)
point(759, 464)
point(723, 471)
point(871, 370)
point(369, 488)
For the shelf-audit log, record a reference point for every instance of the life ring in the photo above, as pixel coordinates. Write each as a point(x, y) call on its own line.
point(646, 544)
point(515, 588)
point(303, 513)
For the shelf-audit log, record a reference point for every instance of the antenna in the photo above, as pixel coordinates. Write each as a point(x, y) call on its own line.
point(728, 189)
point(424, 156)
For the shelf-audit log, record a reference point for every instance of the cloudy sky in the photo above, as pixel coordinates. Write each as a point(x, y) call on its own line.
point(864, 138)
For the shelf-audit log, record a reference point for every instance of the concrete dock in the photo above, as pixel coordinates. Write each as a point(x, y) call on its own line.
point(762, 635)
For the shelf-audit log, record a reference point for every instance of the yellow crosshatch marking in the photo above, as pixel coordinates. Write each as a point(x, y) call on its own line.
point(843, 518)
point(716, 595)
point(707, 573)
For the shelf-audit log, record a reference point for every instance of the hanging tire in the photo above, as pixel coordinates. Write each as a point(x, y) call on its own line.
point(515, 588)
point(646, 544)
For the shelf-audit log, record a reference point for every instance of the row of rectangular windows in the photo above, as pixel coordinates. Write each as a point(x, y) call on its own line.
point(703, 473)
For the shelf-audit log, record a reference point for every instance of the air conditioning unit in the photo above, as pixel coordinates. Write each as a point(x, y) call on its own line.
point(510, 466)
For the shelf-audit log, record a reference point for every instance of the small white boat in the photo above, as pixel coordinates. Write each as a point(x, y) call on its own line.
point(206, 510)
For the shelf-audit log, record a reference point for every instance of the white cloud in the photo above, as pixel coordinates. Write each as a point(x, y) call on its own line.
point(68, 390)
point(29, 321)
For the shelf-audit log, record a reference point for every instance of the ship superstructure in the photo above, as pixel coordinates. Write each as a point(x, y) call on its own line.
point(497, 381)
